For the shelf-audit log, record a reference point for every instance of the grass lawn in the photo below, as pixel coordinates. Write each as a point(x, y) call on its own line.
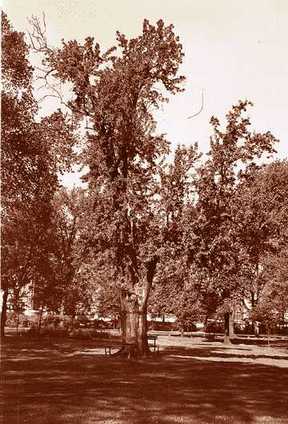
point(72, 382)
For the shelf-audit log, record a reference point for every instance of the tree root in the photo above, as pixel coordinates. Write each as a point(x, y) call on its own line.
point(131, 352)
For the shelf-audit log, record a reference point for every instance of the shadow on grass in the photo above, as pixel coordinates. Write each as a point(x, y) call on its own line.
point(226, 352)
point(61, 382)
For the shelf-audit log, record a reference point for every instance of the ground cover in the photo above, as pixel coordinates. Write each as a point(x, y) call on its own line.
point(61, 381)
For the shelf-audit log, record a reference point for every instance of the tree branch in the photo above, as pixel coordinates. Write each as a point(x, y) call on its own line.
point(201, 108)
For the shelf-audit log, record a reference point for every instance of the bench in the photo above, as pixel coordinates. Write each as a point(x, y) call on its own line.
point(152, 343)
point(108, 348)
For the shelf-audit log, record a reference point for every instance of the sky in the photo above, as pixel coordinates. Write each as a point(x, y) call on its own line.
point(233, 50)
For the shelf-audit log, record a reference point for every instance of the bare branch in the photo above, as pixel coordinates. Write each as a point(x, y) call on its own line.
point(201, 108)
point(39, 44)
point(44, 22)
point(57, 94)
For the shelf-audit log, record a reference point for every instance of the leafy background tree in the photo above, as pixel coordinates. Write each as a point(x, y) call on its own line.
point(214, 240)
point(31, 157)
point(261, 214)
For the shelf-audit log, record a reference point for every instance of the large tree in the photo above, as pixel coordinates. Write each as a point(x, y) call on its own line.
point(175, 289)
point(214, 241)
point(31, 156)
point(65, 291)
point(261, 214)
point(116, 92)
point(17, 170)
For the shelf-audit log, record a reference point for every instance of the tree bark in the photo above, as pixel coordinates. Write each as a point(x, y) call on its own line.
point(134, 316)
point(206, 323)
point(142, 341)
point(133, 326)
point(268, 335)
point(4, 311)
point(40, 319)
point(231, 324)
point(228, 327)
point(17, 321)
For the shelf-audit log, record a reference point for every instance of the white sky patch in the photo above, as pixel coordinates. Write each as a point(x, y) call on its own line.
point(233, 50)
point(73, 179)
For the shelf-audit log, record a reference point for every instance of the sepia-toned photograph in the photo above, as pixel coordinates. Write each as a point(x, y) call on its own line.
point(144, 212)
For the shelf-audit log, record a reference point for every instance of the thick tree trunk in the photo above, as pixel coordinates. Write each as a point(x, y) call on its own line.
point(142, 340)
point(133, 326)
point(4, 310)
point(228, 327)
point(134, 316)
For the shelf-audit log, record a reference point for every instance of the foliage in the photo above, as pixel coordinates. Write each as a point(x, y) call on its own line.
point(214, 242)
point(31, 158)
point(261, 211)
point(272, 303)
point(200, 234)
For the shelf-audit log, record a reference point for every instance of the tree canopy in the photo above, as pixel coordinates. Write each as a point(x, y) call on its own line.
point(193, 234)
